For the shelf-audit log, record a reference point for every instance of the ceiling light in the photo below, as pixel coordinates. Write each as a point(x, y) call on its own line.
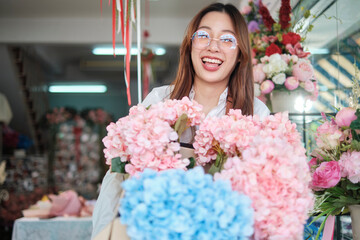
point(122, 51)
point(160, 51)
point(78, 88)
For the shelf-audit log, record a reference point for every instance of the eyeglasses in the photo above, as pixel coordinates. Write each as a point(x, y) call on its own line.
point(202, 39)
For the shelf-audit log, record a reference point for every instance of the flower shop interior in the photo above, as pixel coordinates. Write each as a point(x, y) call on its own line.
point(51, 138)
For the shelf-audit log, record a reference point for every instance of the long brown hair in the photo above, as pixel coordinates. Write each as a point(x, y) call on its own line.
point(241, 83)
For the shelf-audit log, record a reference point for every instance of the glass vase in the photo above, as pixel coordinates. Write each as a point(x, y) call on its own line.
point(355, 221)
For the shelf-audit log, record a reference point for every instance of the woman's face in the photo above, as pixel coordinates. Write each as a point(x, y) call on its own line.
point(214, 52)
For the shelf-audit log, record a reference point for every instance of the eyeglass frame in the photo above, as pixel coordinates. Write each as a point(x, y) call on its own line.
point(217, 39)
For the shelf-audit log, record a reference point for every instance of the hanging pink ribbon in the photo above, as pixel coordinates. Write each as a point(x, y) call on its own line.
point(122, 20)
point(328, 233)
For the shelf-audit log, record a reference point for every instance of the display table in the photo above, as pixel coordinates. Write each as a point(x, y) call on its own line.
point(67, 228)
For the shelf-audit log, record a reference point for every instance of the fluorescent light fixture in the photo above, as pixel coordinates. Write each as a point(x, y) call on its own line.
point(122, 51)
point(78, 88)
point(319, 50)
point(160, 51)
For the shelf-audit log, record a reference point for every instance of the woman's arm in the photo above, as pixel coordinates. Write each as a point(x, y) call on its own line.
point(107, 204)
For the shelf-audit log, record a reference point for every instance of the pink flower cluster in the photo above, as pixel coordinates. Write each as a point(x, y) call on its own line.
point(230, 134)
point(332, 137)
point(284, 71)
point(99, 116)
point(350, 166)
point(146, 137)
point(58, 115)
point(273, 172)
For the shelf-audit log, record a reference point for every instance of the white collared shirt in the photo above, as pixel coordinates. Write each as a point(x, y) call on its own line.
point(161, 93)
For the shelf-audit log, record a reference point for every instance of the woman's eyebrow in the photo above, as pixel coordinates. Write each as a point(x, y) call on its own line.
point(225, 30)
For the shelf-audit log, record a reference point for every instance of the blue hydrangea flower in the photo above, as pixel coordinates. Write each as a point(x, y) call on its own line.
point(176, 204)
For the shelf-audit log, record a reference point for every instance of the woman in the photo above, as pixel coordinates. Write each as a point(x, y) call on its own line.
point(215, 70)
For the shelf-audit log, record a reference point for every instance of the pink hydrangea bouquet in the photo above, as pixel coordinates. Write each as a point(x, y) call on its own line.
point(264, 160)
point(279, 60)
point(149, 137)
point(335, 166)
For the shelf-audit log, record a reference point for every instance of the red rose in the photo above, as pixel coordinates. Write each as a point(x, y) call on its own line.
point(290, 37)
point(272, 49)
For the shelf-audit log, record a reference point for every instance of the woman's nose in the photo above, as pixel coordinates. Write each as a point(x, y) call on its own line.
point(214, 44)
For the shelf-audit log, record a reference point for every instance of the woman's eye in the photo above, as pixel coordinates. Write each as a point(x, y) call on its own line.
point(202, 36)
point(228, 39)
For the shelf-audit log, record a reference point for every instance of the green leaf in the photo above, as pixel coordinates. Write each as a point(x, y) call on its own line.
point(352, 186)
point(310, 27)
point(355, 145)
point(356, 123)
point(213, 169)
point(180, 125)
point(307, 14)
point(336, 191)
point(276, 27)
point(321, 227)
point(192, 163)
point(117, 165)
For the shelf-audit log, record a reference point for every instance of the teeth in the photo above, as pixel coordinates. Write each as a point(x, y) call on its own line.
point(210, 60)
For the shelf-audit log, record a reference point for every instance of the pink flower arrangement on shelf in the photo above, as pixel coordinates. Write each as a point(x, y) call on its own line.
point(149, 138)
point(335, 166)
point(264, 160)
point(279, 60)
point(58, 115)
point(99, 116)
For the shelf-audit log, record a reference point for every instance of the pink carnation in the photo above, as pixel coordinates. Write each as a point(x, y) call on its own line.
point(350, 166)
point(345, 116)
point(291, 83)
point(267, 86)
point(327, 175)
point(303, 70)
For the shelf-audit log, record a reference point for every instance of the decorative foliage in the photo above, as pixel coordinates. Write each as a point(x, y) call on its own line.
point(175, 204)
point(335, 166)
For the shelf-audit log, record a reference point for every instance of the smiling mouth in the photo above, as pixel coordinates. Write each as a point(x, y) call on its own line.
point(211, 61)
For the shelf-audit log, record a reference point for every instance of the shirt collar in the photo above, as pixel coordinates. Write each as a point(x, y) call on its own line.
point(222, 98)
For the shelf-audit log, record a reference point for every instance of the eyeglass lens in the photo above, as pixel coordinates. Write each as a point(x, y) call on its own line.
point(202, 39)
